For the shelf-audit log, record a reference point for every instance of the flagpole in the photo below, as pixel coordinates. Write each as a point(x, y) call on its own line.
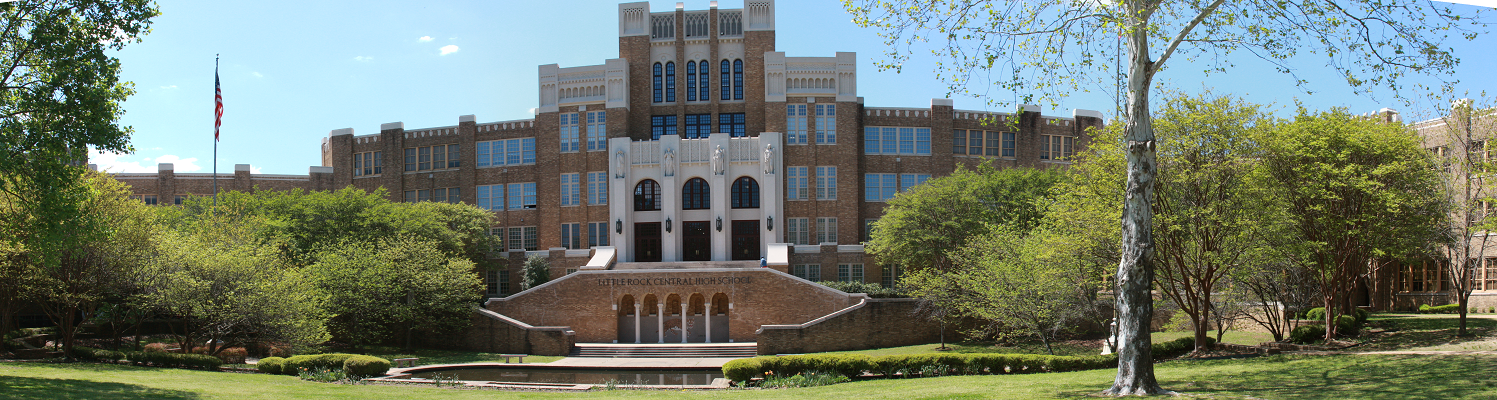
point(217, 102)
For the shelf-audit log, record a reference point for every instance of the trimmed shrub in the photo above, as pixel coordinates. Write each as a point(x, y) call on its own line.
point(92, 354)
point(361, 366)
point(1362, 316)
point(853, 365)
point(1346, 325)
point(271, 365)
point(1305, 334)
point(173, 360)
point(155, 348)
point(873, 290)
point(1178, 347)
point(310, 362)
point(231, 355)
point(1445, 309)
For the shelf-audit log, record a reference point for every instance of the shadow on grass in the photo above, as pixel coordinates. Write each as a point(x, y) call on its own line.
point(1340, 377)
point(18, 387)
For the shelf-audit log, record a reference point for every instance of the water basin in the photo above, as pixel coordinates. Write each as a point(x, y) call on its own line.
point(576, 375)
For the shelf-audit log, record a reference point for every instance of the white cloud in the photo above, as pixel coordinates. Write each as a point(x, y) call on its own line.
point(255, 170)
point(169, 87)
point(449, 49)
point(425, 39)
point(180, 164)
point(124, 163)
point(257, 75)
point(363, 59)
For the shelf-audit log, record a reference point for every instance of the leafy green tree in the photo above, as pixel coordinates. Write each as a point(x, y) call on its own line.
point(536, 271)
point(921, 226)
point(401, 285)
point(1354, 189)
point(1045, 49)
point(227, 288)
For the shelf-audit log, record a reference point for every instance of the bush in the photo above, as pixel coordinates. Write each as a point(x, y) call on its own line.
point(309, 362)
point(1362, 316)
point(872, 289)
point(1347, 325)
point(271, 365)
point(92, 354)
point(173, 360)
point(231, 355)
point(804, 379)
point(1306, 334)
point(1445, 309)
point(359, 367)
point(853, 365)
point(155, 348)
point(1178, 347)
point(1318, 314)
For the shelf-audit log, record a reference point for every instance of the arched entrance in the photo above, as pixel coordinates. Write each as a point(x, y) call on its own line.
point(717, 319)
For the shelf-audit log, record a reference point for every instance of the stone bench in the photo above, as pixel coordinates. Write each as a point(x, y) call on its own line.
point(405, 362)
point(520, 357)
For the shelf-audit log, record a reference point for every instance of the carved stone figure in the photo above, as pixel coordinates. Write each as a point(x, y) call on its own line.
point(668, 162)
point(769, 159)
point(622, 166)
point(719, 165)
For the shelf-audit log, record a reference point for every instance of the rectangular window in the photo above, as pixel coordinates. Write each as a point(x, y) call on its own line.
point(442, 195)
point(410, 196)
point(597, 131)
point(826, 230)
point(366, 163)
point(959, 142)
point(795, 183)
point(1009, 144)
point(571, 236)
point(491, 282)
point(698, 126)
point(909, 180)
point(504, 283)
point(826, 124)
point(890, 276)
point(521, 195)
point(810, 272)
point(571, 189)
point(570, 130)
point(732, 124)
point(798, 230)
point(661, 125)
point(849, 272)
point(523, 238)
point(974, 142)
point(826, 183)
point(496, 239)
point(423, 155)
point(597, 188)
point(489, 197)
point(878, 187)
point(795, 124)
point(868, 229)
point(179, 199)
point(902, 141)
point(1056, 147)
point(432, 158)
point(597, 234)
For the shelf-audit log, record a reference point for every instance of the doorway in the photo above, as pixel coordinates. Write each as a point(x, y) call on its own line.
point(746, 240)
point(696, 241)
point(647, 242)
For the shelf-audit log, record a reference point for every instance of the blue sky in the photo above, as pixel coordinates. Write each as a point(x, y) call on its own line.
point(293, 71)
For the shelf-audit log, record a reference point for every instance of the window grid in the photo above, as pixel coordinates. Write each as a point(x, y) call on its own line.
point(597, 188)
point(899, 140)
point(850, 272)
point(878, 187)
point(798, 230)
point(959, 141)
point(906, 181)
point(597, 131)
point(868, 229)
point(732, 124)
point(704, 84)
point(571, 190)
point(367, 163)
point(795, 124)
point(810, 272)
point(1056, 147)
point(570, 138)
point(505, 152)
point(698, 126)
point(496, 239)
point(597, 234)
point(696, 195)
point(670, 82)
point(489, 197)
point(890, 276)
point(723, 80)
point(661, 125)
point(795, 183)
point(431, 157)
point(521, 195)
point(659, 78)
point(826, 124)
point(737, 79)
point(571, 236)
point(745, 193)
point(647, 196)
point(524, 237)
point(826, 230)
point(1009, 144)
point(442, 195)
point(826, 183)
point(691, 81)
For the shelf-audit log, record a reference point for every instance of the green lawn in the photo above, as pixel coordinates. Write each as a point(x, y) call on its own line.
point(1233, 337)
point(1061, 348)
point(1426, 332)
point(1279, 377)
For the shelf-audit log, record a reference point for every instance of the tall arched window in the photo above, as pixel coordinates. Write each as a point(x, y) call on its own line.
point(726, 82)
point(691, 81)
point(658, 82)
point(696, 195)
point(670, 82)
point(745, 193)
point(704, 84)
point(647, 196)
point(737, 79)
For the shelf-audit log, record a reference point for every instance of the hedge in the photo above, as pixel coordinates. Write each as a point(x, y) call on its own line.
point(173, 360)
point(853, 365)
point(92, 354)
point(271, 365)
point(1445, 309)
point(1318, 314)
point(355, 365)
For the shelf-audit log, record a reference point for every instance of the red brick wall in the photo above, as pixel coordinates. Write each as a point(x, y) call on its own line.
point(877, 323)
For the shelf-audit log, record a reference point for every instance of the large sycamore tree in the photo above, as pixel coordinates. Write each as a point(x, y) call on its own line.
point(1044, 49)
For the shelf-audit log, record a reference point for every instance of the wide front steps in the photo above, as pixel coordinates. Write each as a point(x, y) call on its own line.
point(668, 350)
point(685, 265)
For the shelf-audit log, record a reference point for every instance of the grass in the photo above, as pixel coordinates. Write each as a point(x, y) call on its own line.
point(1426, 332)
point(1278, 377)
point(1061, 349)
point(1234, 337)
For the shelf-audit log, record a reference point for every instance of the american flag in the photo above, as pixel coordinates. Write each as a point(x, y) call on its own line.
point(218, 103)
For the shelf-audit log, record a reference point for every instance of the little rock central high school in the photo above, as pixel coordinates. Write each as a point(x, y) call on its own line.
point(656, 181)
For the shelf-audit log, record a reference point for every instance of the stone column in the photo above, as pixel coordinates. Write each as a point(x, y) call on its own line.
point(636, 322)
point(660, 323)
point(707, 317)
point(685, 320)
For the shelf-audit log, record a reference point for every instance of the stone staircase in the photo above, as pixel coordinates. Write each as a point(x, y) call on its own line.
point(686, 265)
point(668, 350)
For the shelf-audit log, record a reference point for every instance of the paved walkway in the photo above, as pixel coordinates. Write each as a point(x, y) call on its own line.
point(641, 362)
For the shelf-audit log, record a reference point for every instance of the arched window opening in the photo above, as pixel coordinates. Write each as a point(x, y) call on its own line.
point(705, 84)
point(659, 92)
point(670, 82)
point(696, 195)
point(726, 82)
point(647, 196)
point(720, 304)
point(691, 81)
point(737, 79)
point(745, 193)
point(626, 306)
